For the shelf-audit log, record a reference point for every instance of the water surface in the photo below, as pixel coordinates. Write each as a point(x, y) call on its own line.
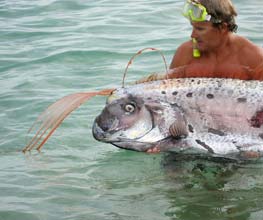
point(51, 48)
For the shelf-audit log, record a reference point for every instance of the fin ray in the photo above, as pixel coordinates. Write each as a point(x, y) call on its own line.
point(54, 115)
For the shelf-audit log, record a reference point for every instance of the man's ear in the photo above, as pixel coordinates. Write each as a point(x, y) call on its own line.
point(224, 27)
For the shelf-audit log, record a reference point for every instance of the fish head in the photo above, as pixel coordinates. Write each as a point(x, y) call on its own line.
point(133, 122)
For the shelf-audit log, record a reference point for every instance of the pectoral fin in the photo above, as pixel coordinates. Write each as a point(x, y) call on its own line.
point(178, 129)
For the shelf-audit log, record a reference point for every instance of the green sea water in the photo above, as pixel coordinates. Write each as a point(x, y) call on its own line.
point(52, 48)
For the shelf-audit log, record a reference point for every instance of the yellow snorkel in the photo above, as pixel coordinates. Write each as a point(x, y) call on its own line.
point(196, 52)
point(195, 12)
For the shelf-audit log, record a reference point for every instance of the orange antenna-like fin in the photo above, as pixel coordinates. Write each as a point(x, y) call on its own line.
point(54, 115)
point(139, 53)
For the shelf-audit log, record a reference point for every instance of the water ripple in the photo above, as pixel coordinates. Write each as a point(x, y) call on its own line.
point(51, 48)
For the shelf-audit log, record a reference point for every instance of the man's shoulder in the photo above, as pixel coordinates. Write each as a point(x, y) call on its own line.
point(185, 47)
point(184, 51)
point(249, 53)
point(245, 44)
point(183, 55)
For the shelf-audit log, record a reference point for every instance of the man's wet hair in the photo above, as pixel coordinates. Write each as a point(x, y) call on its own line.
point(222, 11)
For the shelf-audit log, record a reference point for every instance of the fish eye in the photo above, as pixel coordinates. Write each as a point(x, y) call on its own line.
point(129, 108)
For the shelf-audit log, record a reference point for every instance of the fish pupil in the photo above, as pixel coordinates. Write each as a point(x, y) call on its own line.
point(130, 108)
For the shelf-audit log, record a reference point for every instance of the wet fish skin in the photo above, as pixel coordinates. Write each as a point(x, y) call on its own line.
point(223, 116)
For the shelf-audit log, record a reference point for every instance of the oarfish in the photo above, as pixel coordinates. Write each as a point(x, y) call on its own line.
point(218, 117)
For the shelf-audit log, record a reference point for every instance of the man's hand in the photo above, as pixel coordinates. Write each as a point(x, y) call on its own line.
point(152, 77)
point(172, 73)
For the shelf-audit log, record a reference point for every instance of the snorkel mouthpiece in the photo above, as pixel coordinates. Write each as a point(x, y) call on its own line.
point(196, 52)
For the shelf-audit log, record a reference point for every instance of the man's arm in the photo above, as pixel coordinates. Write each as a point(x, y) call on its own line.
point(182, 56)
point(251, 55)
point(258, 72)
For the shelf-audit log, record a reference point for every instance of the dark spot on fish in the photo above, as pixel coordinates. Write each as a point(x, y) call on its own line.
point(203, 144)
point(257, 120)
point(241, 100)
point(193, 80)
point(175, 93)
point(198, 82)
point(261, 135)
point(190, 128)
point(163, 92)
point(189, 95)
point(216, 132)
point(210, 96)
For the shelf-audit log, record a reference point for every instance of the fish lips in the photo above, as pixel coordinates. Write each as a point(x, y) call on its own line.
point(99, 134)
point(105, 136)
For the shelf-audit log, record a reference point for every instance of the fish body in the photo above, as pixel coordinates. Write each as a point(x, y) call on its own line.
point(221, 117)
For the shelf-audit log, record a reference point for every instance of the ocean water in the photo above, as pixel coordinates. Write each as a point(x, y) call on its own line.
point(52, 48)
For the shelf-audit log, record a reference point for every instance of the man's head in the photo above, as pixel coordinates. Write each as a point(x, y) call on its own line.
point(218, 12)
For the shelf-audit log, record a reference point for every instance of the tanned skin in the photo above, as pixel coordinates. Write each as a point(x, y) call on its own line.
point(223, 54)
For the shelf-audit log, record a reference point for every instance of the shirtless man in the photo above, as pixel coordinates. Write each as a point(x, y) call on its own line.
point(215, 51)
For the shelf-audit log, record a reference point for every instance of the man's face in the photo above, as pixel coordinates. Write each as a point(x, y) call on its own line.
point(207, 36)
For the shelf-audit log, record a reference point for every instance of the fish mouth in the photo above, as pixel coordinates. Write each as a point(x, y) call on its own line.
point(116, 139)
point(100, 135)
point(113, 135)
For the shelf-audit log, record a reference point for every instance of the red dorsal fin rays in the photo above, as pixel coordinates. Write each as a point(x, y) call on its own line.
point(53, 116)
